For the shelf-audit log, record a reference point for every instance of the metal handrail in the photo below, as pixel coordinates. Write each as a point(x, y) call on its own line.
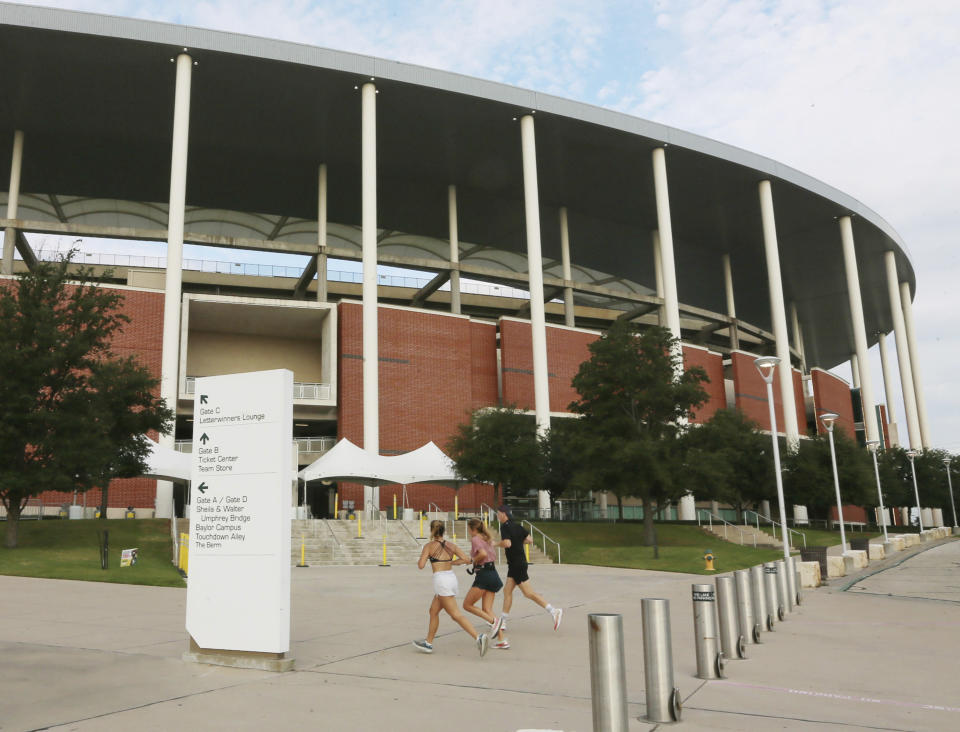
point(545, 539)
point(773, 523)
point(711, 516)
point(435, 506)
point(336, 544)
point(409, 533)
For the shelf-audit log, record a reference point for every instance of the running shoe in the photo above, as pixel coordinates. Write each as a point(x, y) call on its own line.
point(423, 646)
point(482, 643)
point(503, 645)
point(495, 626)
point(557, 617)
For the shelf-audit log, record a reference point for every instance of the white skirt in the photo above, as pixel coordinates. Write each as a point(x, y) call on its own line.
point(445, 583)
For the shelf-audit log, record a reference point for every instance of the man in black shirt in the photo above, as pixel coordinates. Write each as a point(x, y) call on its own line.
point(513, 537)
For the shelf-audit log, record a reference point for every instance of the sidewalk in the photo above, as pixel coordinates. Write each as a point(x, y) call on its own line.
point(90, 656)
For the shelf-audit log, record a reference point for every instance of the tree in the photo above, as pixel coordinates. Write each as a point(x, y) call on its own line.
point(635, 399)
point(896, 477)
point(729, 460)
point(72, 414)
point(560, 456)
point(808, 474)
point(499, 446)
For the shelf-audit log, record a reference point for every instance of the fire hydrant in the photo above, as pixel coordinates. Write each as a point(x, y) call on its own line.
point(708, 559)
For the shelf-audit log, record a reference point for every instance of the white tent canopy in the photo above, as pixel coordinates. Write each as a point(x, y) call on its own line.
point(166, 464)
point(347, 462)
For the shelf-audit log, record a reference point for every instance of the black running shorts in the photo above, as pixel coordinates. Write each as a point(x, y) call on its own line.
point(518, 573)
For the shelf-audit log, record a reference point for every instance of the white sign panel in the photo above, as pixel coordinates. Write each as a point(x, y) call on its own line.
point(238, 589)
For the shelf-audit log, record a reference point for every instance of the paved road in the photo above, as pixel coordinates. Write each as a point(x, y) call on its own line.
point(87, 656)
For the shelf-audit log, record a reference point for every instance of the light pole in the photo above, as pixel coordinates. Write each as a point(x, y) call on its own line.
point(946, 461)
point(913, 469)
point(767, 366)
point(872, 445)
point(828, 418)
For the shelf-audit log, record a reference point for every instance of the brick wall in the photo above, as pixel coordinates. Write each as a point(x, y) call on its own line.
point(712, 363)
point(566, 350)
point(428, 364)
point(832, 394)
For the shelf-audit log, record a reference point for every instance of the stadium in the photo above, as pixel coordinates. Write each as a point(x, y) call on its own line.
point(517, 226)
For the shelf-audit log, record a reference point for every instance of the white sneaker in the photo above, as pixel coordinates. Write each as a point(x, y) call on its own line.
point(423, 646)
point(496, 626)
point(482, 643)
point(503, 645)
point(557, 617)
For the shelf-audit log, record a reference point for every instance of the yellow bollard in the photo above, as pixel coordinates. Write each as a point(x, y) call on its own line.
point(526, 551)
point(384, 562)
point(394, 506)
point(359, 527)
point(456, 509)
point(421, 524)
point(336, 505)
point(708, 560)
point(303, 553)
point(184, 552)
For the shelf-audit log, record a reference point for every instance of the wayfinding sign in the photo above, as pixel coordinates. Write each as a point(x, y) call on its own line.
point(238, 589)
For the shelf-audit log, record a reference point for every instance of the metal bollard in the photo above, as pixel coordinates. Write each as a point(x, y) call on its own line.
point(749, 627)
point(774, 608)
point(705, 631)
point(794, 574)
point(608, 678)
point(663, 698)
point(758, 591)
point(731, 642)
point(783, 587)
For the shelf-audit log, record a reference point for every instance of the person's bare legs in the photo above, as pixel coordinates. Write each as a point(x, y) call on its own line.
point(508, 589)
point(449, 604)
point(470, 602)
point(434, 619)
point(487, 604)
point(530, 594)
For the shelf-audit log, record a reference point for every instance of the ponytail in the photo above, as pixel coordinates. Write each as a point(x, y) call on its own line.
point(477, 525)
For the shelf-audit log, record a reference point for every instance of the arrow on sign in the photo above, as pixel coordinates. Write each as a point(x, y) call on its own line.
point(203, 398)
point(202, 487)
point(204, 438)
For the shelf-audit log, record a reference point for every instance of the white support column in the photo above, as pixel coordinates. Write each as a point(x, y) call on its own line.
point(568, 304)
point(854, 371)
point(731, 300)
point(671, 302)
point(170, 359)
point(531, 197)
point(778, 315)
point(798, 337)
point(322, 233)
point(921, 404)
point(658, 275)
point(13, 201)
point(454, 250)
point(368, 238)
point(859, 328)
point(888, 389)
point(903, 356)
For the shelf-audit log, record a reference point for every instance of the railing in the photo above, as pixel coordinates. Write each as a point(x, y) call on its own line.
point(301, 389)
point(336, 541)
point(409, 533)
point(711, 517)
point(304, 444)
point(774, 524)
point(435, 507)
point(545, 539)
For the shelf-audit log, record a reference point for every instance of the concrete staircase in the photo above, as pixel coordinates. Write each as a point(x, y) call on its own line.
point(335, 542)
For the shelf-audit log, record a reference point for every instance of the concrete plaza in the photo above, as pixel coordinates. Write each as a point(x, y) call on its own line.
point(90, 656)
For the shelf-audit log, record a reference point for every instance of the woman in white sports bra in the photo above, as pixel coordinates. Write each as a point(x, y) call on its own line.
point(442, 556)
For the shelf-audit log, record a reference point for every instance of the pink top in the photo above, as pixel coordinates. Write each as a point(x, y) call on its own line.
point(477, 543)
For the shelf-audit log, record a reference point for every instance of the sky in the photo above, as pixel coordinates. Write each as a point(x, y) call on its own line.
point(861, 94)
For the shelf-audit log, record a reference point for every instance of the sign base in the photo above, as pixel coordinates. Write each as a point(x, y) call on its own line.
point(278, 662)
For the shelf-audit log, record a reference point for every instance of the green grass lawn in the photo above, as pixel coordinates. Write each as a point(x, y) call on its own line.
point(821, 537)
point(59, 549)
point(681, 547)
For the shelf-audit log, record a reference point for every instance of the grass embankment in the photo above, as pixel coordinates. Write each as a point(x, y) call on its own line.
point(821, 537)
point(681, 547)
point(59, 549)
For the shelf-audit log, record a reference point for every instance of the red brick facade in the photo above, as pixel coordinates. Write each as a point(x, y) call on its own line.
point(832, 394)
point(712, 363)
